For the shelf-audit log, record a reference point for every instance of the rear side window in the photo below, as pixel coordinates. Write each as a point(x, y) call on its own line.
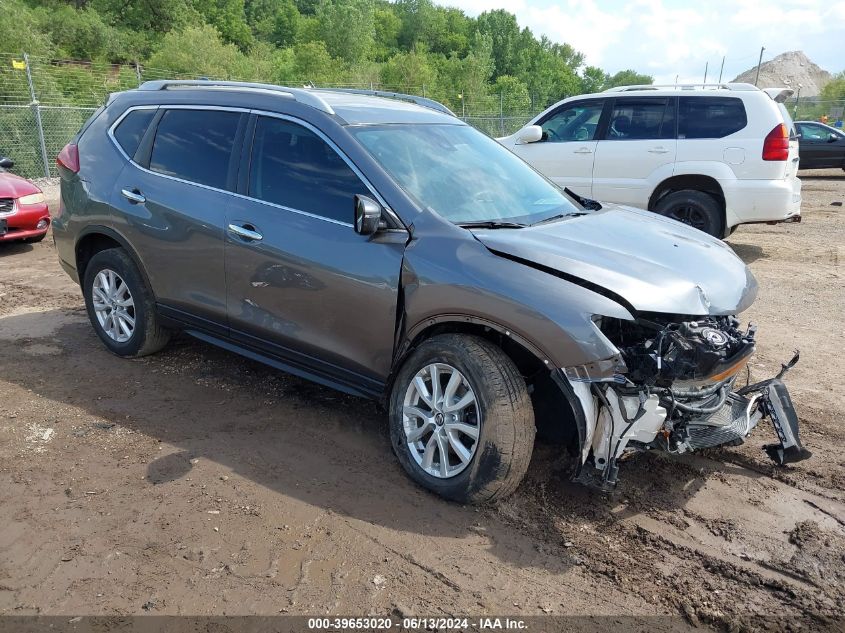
point(710, 117)
point(293, 167)
point(641, 118)
point(195, 145)
point(130, 131)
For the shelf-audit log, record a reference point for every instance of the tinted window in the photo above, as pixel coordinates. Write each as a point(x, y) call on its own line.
point(573, 122)
point(638, 119)
point(195, 145)
point(293, 167)
point(710, 117)
point(128, 134)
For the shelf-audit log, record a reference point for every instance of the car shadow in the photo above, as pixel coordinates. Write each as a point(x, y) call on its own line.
point(7, 249)
point(748, 253)
point(302, 440)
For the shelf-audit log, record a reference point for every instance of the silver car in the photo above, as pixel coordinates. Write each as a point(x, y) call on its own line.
point(376, 244)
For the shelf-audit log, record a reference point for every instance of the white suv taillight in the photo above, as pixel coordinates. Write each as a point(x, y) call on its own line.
point(776, 144)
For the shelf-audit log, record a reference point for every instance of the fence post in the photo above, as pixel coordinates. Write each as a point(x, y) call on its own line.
point(138, 72)
point(502, 112)
point(36, 110)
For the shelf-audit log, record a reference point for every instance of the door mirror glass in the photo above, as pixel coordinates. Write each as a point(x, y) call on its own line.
point(530, 134)
point(6, 162)
point(832, 138)
point(367, 215)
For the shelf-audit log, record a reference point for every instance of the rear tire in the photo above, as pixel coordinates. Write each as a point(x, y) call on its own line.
point(694, 208)
point(121, 306)
point(500, 418)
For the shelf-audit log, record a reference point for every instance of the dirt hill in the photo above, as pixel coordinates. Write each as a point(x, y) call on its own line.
point(789, 69)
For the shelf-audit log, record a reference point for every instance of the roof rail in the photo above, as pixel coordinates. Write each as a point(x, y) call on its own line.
point(301, 95)
point(724, 86)
point(421, 101)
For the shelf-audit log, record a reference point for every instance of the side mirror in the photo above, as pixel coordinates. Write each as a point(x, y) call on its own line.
point(6, 162)
point(367, 215)
point(832, 138)
point(530, 134)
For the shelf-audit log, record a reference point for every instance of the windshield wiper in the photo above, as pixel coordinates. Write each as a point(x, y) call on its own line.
point(559, 216)
point(491, 224)
point(587, 203)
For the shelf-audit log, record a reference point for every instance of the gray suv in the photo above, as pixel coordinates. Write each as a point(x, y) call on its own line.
point(375, 244)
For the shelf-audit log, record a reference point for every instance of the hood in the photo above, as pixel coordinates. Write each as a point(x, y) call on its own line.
point(655, 264)
point(12, 186)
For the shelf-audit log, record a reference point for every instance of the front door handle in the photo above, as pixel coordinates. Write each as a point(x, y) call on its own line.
point(583, 150)
point(133, 196)
point(247, 232)
point(658, 150)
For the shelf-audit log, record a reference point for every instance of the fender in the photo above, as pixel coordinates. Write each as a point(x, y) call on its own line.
point(100, 229)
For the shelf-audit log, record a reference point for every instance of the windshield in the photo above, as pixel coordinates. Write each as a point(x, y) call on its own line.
point(462, 174)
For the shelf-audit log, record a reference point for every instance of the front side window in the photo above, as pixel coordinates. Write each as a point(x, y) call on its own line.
point(130, 131)
point(812, 132)
point(195, 145)
point(293, 167)
point(462, 174)
point(575, 122)
point(710, 117)
point(642, 118)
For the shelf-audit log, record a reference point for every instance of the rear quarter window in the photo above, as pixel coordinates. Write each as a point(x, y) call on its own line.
point(130, 131)
point(710, 117)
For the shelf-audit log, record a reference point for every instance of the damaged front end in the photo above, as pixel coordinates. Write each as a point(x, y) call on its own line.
point(674, 388)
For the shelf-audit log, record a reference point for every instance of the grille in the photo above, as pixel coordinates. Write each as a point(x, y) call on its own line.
point(7, 206)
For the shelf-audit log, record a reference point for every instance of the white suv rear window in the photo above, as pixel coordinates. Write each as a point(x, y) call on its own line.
point(710, 117)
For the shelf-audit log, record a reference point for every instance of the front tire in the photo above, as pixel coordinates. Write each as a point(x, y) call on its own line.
point(694, 208)
point(461, 421)
point(120, 306)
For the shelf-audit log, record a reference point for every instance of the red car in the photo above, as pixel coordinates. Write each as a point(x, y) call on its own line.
point(22, 206)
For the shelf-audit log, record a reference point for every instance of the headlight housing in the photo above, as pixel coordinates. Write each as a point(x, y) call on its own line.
point(33, 198)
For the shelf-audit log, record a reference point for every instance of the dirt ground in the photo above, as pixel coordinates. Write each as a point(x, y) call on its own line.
point(197, 482)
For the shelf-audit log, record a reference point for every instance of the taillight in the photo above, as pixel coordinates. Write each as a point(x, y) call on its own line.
point(776, 144)
point(69, 158)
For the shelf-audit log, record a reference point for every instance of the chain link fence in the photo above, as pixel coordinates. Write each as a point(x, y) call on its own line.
point(44, 102)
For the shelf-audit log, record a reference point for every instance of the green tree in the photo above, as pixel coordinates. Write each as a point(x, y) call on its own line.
point(198, 51)
point(503, 29)
point(148, 16)
point(275, 21)
point(512, 94)
point(408, 72)
point(347, 27)
point(229, 18)
point(313, 63)
point(593, 79)
point(835, 89)
point(387, 26)
point(628, 78)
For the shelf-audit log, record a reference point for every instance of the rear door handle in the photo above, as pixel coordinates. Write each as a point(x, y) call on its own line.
point(247, 232)
point(583, 150)
point(133, 196)
point(658, 150)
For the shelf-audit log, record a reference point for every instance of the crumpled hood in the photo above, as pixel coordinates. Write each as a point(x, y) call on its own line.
point(12, 186)
point(654, 263)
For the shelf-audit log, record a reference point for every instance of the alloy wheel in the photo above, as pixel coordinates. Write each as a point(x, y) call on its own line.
point(689, 215)
point(113, 305)
point(441, 420)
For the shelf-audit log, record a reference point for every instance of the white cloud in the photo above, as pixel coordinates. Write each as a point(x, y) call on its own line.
point(666, 38)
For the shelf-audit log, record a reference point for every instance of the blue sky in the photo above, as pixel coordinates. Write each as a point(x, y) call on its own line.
point(665, 38)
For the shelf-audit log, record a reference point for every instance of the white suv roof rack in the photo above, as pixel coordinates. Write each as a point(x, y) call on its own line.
point(301, 95)
point(724, 86)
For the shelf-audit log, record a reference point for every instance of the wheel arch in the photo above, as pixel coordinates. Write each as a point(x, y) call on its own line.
point(557, 411)
point(696, 182)
point(94, 239)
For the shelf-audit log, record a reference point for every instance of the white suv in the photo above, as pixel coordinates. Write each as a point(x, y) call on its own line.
point(712, 156)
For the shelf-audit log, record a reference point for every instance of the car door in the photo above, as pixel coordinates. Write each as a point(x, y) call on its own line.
point(302, 284)
point(817, 150)
point(565, 153)
point(637, 151)
point(172, 198)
